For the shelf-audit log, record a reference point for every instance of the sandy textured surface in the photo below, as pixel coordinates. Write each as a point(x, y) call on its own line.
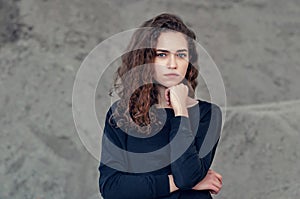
point(255, 43)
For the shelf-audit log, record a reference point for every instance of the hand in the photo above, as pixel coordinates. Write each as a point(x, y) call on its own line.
point(176, 97)
point(212, 182)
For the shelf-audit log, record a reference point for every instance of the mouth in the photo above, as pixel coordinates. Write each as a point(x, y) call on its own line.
point(171, 75)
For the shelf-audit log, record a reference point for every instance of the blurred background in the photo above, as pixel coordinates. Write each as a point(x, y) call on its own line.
point(255, 44)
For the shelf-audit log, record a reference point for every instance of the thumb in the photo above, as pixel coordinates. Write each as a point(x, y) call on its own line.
point(167, 95)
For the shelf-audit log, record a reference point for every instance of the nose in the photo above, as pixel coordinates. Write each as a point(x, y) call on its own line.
point(172, 64)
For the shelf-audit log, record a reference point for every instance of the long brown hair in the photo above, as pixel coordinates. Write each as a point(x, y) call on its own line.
point(134, 84)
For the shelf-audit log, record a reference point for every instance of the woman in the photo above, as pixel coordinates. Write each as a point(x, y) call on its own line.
point(157, 110)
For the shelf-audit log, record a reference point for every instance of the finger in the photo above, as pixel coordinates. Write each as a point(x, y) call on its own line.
point(214, 189)
point(167, 95)
point(217, 184)
point(218, 175)
point(220, 178)
point(212, 192)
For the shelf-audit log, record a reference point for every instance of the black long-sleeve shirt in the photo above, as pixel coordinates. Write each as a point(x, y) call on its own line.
point(188, 143)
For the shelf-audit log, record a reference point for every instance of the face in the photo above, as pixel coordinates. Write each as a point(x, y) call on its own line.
point(171, 61)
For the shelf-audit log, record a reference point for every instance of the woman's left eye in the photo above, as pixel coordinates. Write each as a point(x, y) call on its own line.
point(161, 54)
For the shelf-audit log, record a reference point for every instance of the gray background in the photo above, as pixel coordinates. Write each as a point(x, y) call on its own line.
point(255, 43)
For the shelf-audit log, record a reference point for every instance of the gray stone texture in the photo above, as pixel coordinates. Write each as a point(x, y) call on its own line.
point(255, 44)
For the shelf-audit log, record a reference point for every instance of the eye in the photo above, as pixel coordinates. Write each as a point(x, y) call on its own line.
point(161, 54)
point(182, 55)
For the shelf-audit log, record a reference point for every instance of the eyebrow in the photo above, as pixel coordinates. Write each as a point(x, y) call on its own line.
point(167, 51)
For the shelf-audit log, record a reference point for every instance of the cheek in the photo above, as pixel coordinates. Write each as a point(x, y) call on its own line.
point(156, 71)
point(184, 69)
point(159, 62)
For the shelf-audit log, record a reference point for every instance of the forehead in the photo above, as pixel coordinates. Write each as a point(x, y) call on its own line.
point(171, 41)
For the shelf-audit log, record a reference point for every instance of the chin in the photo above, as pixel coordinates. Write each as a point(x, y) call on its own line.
point(167, 84)
point(170, 84)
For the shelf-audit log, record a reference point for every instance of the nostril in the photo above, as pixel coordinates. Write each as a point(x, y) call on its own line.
point(172, 66)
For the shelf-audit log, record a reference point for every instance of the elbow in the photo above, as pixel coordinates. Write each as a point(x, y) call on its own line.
point(110, 191)
point(116, 195)
point(110, 194)
point(107, 191)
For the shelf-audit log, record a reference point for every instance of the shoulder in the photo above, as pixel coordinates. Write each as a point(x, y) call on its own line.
point(111, 110)
point(113, 106)
point(210, 119)
point(111, 128)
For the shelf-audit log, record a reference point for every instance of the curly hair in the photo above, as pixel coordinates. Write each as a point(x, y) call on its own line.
point(133, 80)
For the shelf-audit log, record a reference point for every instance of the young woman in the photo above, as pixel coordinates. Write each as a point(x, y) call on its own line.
point(153, 134)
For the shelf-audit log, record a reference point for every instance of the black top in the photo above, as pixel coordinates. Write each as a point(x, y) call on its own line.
point(135, 167)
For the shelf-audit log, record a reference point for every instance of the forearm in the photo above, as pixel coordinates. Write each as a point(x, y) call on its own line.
point(188, 169)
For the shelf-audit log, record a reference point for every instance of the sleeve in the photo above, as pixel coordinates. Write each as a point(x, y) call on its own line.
point(114, 183)
point(189, 168)
point(210, 130)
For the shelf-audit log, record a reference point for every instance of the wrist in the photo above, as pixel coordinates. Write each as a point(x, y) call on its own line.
point(181, 112)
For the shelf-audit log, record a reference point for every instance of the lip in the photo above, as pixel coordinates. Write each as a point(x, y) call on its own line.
point(171, 74)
